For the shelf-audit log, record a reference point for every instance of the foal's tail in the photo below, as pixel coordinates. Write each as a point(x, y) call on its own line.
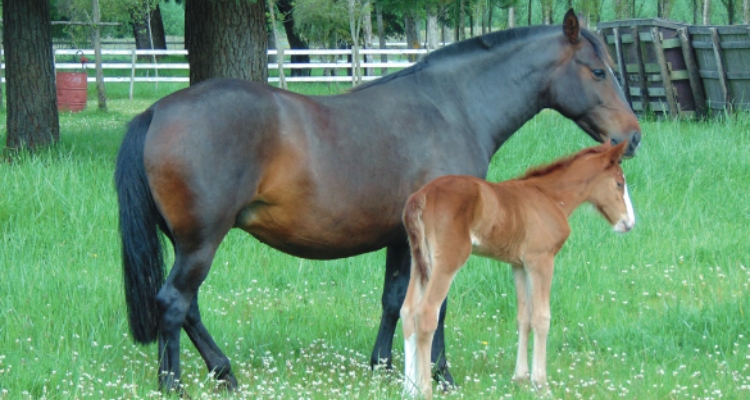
point(142, 260)
point(420, 251)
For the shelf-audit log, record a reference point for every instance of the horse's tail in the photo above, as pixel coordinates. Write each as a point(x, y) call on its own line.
point(142, 259)
point(420, 251)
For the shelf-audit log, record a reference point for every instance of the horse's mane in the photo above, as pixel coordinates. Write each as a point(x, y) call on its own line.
point(485, 42)
point(562, 163)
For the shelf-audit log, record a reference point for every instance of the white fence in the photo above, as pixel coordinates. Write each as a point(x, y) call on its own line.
point(337, 64)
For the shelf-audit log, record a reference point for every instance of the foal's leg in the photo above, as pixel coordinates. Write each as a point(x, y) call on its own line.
point(215, 360)
point(174, 299)
point(540, 273)
point(427, 313)
point(523, 316)
point(412, 372)
point(397, 270)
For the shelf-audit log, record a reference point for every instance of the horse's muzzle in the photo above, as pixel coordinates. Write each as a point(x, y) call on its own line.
point(634, 142)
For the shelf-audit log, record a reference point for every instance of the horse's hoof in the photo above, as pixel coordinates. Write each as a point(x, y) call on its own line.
point(444, 379)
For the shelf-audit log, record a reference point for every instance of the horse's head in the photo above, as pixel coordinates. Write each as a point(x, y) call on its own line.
point(584, 89)
point(609, 191)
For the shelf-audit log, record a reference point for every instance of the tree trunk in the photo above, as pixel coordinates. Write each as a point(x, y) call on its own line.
point(432, 28)
point(511, 17)
point(745, 12)
point(706, 12)
point(412, 36)
point(226, 39)
point(32, 118)
point(461, 20)
point(528, 17)
point(367, 31)
point(295, 41)
point(101, 94)
point(2, 98)
point(158, 35)
point(547, 9)
point(381, 36)
point(489, 18)
point(354, 30)
point(141, 19)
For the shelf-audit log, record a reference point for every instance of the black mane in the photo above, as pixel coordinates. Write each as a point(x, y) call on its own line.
point(481, 43)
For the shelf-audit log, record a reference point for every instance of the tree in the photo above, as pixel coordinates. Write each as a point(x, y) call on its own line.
point(148, 27)
point(226, 38)
point(32, 118)
point(286, 7)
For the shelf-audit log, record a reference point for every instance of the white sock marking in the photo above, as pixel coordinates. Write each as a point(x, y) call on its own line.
point(411, 369)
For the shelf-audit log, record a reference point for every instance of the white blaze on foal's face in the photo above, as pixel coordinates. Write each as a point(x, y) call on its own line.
point(627, 221)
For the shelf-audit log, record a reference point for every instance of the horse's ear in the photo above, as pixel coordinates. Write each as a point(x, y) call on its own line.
point(571, 27)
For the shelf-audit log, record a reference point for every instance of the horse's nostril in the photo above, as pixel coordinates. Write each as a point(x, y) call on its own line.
point(636, 140)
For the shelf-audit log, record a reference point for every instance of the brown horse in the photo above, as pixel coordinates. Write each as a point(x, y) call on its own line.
point(327, 177)
point(523, 222)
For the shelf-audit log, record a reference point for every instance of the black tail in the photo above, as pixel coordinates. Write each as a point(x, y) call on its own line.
point(142, 259)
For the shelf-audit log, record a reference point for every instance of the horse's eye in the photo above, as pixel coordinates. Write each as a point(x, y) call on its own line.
point(599, 74)
point(620, 184)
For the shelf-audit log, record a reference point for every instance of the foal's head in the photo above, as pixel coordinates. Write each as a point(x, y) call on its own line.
point(608, 191)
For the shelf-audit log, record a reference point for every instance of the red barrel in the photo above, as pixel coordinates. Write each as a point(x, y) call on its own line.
point(71, 91)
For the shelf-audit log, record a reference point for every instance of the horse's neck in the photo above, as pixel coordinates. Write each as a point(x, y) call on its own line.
point(500, 90)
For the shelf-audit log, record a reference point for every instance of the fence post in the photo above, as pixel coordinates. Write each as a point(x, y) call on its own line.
point(720, 68)
point(666, 79)
point(693, 72)
point(132, 76)
point(621, 64)
point(280, 63)
point(643, 79)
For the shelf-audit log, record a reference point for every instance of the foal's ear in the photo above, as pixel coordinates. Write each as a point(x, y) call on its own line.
point(571, 27)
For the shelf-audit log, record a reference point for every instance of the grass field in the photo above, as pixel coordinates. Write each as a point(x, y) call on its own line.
point(661, 312)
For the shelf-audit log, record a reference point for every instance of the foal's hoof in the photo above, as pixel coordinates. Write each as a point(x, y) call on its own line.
point(541, 389)
point(522, 381)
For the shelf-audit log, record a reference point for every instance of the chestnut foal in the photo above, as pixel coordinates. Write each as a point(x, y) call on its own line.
point(523, 222)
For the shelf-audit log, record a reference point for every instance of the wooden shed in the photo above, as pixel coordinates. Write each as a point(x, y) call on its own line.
point(656, 66)
point(723, 56)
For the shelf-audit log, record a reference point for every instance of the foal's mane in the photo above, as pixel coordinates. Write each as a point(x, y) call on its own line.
point(562, 163)
point(484, 43)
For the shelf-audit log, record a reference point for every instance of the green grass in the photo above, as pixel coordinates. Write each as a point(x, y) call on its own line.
point(658, 313)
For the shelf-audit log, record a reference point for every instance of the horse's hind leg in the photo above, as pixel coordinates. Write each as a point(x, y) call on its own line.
point(215, 360)
point(397, 269)
point(192, 262)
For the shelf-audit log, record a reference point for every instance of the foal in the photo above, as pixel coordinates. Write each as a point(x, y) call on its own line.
point(523, 222)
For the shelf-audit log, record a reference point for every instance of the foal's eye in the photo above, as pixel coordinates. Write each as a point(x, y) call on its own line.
point(620, 184)
point(599, 74)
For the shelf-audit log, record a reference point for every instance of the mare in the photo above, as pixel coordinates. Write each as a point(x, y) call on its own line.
point(523, 222)
point(327, 177)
